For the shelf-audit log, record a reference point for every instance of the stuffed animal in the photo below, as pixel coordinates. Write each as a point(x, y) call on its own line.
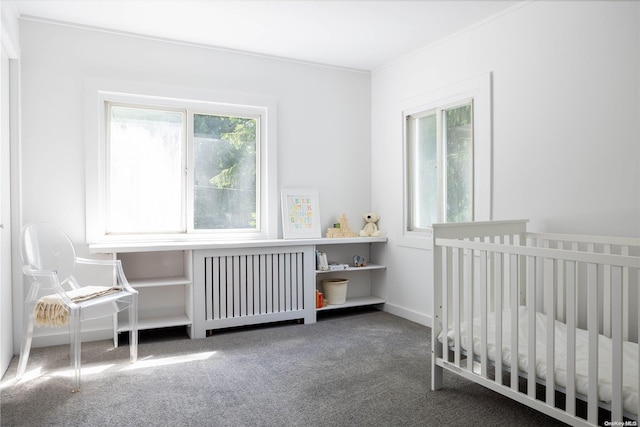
point(370, 228)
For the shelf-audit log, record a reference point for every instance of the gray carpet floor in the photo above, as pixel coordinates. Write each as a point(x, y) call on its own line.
point(362, 368)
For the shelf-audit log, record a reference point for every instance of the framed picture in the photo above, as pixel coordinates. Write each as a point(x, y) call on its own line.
point(300, 214)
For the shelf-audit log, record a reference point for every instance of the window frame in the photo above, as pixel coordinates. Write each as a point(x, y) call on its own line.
point(99, 92)
point(478, 90)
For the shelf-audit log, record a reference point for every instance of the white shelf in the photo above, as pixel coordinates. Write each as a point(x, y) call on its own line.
point(153, 323)
point(160, 281)
point(354, 302)
point(367, 267)
point(194, 244)
point(359, 290)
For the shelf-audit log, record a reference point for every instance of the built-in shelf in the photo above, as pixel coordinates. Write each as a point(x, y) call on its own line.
point(165, 287)
point(367, 267)
point(355, 302)
point(164, 281)
point(157, 322)
point(359, 288)
point(163, 273)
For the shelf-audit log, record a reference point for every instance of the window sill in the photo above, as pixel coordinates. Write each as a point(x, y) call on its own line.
point(423, 240)
point(168, 245)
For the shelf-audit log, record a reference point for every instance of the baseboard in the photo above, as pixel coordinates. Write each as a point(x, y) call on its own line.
point(405, 313)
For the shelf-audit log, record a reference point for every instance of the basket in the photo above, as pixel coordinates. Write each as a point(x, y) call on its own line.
point(335, 291)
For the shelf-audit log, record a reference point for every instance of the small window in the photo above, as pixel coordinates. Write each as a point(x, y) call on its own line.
point(447, 155)
point(440, 147)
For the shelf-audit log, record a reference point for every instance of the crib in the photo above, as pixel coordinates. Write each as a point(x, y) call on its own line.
point(548, 320)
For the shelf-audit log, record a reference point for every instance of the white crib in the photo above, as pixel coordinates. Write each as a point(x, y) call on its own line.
point(566, 301)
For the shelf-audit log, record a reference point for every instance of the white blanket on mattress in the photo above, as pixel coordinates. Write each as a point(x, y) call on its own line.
point(629, 357)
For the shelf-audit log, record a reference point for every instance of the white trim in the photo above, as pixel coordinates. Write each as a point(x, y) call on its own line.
point(97, 91)
point(11, 43)
point(190, 44)
point(406, 313)
point(463, 31)
point(10, 29)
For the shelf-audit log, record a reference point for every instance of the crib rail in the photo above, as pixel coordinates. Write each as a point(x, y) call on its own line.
point(501, 276)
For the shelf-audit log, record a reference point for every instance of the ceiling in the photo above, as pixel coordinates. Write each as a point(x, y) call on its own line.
point(360, 34)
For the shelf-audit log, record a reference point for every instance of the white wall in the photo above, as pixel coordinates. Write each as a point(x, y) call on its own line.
point(566, 144)
point(9, 149)
point(323, 115)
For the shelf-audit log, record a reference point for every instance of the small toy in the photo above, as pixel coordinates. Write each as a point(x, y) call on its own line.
point(341, 229)
point(359, 261)
point(370, 229)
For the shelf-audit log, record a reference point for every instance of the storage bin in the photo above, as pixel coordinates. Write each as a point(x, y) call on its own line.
point(335, 291)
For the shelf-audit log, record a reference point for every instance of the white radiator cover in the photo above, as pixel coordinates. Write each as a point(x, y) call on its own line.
point(246, 286)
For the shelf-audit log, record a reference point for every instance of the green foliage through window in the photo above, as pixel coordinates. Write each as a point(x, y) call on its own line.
point(459, 160)
point(225, 156)
point(440, 166)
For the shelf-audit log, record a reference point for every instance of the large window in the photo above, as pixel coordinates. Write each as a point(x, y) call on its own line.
point(447, 156)
point(172, 167)
point(153, 188)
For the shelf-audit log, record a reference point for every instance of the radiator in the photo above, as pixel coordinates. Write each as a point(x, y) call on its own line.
point(252, 286)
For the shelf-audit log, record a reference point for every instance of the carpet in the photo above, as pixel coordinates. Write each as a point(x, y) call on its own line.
point(351, 368)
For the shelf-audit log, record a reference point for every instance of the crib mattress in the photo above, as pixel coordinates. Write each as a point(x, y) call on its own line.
point(629, 357)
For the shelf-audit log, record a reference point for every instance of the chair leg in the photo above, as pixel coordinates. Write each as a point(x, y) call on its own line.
point(75, 350)
point(133, 329)
point(27, 336)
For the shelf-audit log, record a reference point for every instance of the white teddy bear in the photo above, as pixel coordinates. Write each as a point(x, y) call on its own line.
point(370, 229)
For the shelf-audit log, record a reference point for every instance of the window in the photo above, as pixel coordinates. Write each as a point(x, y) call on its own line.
point(447, 156)
point(440, 169)
point(180, 169)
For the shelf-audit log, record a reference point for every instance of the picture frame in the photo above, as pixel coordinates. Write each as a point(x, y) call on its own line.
point(300, 214)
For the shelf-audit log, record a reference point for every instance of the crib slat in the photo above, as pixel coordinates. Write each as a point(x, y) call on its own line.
point(561, 288)
point(515, 327)
point(438, 348)
point(483, 315)
point(499, 283)
point(625, 296)
point(550, 309)
point(468, 304)
point(570, 284)
point(446, 286)
point(606, 296)
point(456, 304)
point(592, 327)
point(531, 333)
point(615, 279)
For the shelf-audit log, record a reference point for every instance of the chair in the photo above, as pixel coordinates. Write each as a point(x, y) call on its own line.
point(49, 261)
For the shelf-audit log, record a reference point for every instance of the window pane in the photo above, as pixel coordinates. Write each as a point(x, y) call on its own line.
point(145, 170)
point(424, 188)
point(225, 155)
point(459, 163)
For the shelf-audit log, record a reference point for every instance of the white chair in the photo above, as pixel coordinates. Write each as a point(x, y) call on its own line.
point(49, 260)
